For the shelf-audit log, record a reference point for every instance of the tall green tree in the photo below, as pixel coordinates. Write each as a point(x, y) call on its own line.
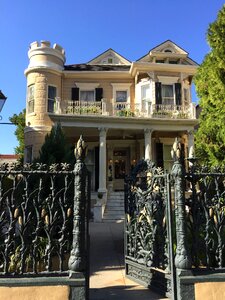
point(19, 121)
point(210, 87)
point(55, 148)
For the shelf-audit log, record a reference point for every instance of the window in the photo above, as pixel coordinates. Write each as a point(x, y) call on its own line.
point(145, 92)
point(30, 99)
point(167, 94)
point(51, 98)
point(160, 61)
point(168, 50)
point(121, 96)
point(110, 60)
point(145, 98)
point(87, 95)
point(28, 154)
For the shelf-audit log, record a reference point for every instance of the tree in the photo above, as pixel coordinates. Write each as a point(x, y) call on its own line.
point(55, 148)
point(210, 87)
point(19, 121)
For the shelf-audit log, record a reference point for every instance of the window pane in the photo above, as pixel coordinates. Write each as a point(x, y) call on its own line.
point(51, 92)
point(51, 98)
point(121, 96)
point(87, 95)
point(145, 92)
point(30, 99)
point(29, 151)
point(167, 94)
point(167, 91)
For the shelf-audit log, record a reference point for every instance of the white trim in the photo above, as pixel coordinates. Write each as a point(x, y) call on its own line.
point(168, 79)
point(45, 64)
point(37, 128)
point(87, 86)
point(46, 51)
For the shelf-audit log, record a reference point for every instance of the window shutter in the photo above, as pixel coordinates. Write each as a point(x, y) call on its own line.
point(178, 93)
point(158, 93)
point(75, 94)
point(98, 94)
point(159, 154)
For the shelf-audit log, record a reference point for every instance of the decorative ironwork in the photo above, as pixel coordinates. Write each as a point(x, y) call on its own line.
point(77, 262)
point(145, 207)
point(205, 206)
point(39, 217)
point(84, 107)
point(182, 258)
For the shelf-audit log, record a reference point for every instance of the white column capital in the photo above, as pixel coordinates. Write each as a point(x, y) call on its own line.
point(102, 131)
point(148, 131)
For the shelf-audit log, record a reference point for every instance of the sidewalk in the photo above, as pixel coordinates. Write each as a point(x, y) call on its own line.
point(107, 278)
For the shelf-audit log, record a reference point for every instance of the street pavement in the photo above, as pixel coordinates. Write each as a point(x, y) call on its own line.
point(107, 276)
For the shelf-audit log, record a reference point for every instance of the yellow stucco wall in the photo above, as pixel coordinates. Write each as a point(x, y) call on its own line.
point(210, 291)
point(35, 293)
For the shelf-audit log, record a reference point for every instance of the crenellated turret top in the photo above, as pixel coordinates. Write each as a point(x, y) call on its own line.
point(42, 55)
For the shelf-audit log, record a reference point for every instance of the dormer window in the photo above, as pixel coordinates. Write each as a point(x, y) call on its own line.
point(168, 50)
point(110, 60)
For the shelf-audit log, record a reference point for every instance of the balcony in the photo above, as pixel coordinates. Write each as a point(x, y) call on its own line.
point(123, 109)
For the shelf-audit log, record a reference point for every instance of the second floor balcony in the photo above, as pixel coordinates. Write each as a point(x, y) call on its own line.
point(112, 108)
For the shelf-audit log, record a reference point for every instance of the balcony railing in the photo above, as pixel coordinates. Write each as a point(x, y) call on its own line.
point(123, 109)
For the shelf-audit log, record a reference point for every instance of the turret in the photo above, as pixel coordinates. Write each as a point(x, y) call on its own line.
point(42, 55)
point(44, 78)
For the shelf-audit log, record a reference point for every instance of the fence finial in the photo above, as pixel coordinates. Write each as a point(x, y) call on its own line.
point(81, 149)
point(176, 150)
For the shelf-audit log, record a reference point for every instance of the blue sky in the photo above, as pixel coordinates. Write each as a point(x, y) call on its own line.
point(89, 27)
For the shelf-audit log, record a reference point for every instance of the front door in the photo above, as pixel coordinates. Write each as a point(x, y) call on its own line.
point(121, 167)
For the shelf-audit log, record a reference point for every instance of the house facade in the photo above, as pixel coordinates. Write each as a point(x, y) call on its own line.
point(124, 110)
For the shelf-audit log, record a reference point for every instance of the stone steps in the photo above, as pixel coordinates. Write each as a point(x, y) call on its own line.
point(114, 211)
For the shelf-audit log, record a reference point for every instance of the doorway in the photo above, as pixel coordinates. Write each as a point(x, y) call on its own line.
point(121, 167)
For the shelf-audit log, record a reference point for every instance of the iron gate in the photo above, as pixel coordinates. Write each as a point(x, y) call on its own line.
point(175, 225)
point(148, 228)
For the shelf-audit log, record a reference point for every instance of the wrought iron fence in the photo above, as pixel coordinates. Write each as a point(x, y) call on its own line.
point(43, 218)
point(205, 216)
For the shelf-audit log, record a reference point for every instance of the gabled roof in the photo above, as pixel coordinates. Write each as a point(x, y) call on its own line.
point(110, 53)
point(167, 49)
point(168, 45)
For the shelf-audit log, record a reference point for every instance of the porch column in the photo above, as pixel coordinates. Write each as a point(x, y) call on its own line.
point(191, 151)
point(148, 143)
point(102, 160)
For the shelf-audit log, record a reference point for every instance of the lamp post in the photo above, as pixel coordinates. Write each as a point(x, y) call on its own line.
point(2, 102)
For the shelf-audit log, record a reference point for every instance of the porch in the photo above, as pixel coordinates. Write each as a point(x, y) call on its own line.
point(111, 108)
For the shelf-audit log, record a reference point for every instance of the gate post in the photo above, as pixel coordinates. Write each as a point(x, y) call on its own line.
point(77, 261)
point(182, 257)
